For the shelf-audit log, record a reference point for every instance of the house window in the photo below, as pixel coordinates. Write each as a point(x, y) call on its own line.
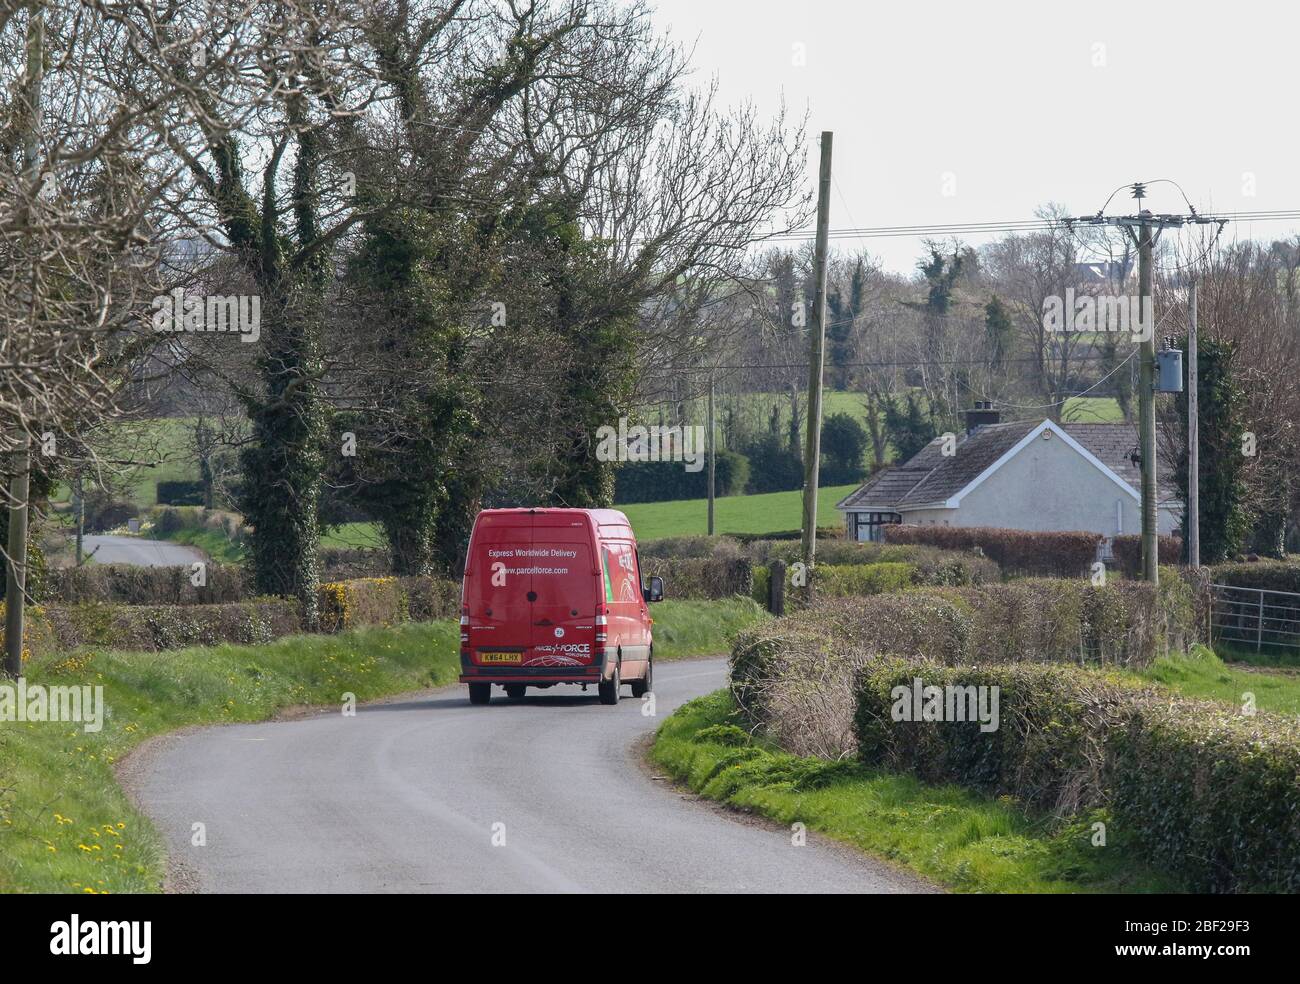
point(870, 525)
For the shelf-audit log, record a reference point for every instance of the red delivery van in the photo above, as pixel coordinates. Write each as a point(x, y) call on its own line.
point(555, 596)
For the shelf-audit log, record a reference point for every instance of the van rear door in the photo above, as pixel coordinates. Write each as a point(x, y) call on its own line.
point(564, 591)
point(497, 588)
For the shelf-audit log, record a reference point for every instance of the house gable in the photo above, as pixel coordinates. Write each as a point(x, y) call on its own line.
point(1037, 435)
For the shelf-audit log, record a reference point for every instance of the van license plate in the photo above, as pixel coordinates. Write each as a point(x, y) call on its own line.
point(500, 657)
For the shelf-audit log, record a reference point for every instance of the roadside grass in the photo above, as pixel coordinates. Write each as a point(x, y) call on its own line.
point(214, 543)
point(701, 628)
point(770, 512)
point(1201, 673)
point(67, 825)
point(966, 842)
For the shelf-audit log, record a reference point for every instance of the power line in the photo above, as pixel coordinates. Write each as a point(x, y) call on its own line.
point(1022, 225)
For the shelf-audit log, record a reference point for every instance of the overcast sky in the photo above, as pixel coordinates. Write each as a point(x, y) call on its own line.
point(1008, 106)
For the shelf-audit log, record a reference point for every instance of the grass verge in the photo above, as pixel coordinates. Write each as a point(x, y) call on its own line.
point(967, 842)
point(66, 824)
point(219, 547)
point(701, 628)
point(1200, 673)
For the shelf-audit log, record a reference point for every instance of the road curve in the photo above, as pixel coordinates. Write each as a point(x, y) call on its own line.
point(406, 796)
point(139, 552)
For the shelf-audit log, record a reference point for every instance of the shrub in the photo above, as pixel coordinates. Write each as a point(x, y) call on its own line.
point(662, 481)
point(361, 601)
point(1022, 552)
point(830, 580)
point(761, 591)
point(701, 578)
point(122, 584)
point(1128, 552)
point(429, 598)
point(773, 467)
point(179, 493)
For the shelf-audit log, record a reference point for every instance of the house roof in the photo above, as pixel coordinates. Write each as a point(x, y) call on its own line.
point(931, 479)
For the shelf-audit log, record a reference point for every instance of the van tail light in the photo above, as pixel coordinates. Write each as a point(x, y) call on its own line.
point(602, 628)
point(464, 628)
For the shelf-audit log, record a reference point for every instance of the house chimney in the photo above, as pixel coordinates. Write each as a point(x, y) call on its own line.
point(979, 415)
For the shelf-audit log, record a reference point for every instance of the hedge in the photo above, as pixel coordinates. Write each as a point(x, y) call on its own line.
point(841, 580)
point(1128, 552)
point(663, 481)
point(362, 601)
point(179, 493)
point(794, 675)
point(159, 627)
point(1207, 792)
point(1269, 575)
point(690, 547)
point(124, 584)
point(934, 566)
point(1021, 552)
point(429, 598)
point(701, 578)
point(345, 605)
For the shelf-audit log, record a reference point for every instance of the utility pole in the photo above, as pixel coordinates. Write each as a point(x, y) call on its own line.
point(16, 568)
point(712, 456)
point(1147, 402)
point(1145, 228)
point(1193, 439)
point(816, 364)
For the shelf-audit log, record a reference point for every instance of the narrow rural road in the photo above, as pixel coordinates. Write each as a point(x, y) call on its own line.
point(140, 552)
point(407, 797)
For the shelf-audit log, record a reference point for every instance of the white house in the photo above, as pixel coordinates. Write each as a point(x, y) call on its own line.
point(1022, 475)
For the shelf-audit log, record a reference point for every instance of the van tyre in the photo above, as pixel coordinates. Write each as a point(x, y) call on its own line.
point(609, 689)
point(480, 693)
point(643, 686)
point(516, 691)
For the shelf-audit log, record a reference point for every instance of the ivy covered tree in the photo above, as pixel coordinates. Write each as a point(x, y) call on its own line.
point(1224, 519)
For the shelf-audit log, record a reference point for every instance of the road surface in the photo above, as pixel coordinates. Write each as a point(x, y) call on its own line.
point(408, 796)
point(140, 552)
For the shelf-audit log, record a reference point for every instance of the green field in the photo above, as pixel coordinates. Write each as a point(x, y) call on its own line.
point(771, 512)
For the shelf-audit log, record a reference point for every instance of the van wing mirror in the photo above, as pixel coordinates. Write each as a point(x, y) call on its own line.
point(655, 592)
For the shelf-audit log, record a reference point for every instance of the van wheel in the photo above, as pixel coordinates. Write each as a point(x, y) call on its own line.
point(515, 691)
point(480, 693)
point(643, 686)
point(609, 689)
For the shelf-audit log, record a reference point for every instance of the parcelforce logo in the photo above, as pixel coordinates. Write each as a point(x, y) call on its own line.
point(75, 938)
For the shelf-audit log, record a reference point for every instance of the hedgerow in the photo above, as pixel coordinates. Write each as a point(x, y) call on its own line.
point(1208, 792)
